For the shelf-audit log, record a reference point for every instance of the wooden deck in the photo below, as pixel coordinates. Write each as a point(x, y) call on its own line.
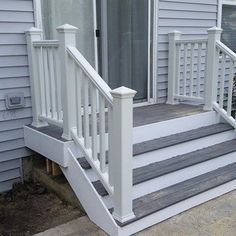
point(161, 112)
point(142, 116)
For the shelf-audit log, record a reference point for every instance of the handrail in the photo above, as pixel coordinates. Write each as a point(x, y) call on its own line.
point(95, 78)
point(184, 41)
point(226, 50)
point(46, 43)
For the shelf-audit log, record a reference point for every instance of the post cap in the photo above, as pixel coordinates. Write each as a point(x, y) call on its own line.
point(175, 32)
point(214, 30)
point(123, 92)
point(33, 30)
point(67, 28)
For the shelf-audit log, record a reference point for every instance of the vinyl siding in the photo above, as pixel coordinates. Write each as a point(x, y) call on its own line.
point(16, 16)
point(192, 18)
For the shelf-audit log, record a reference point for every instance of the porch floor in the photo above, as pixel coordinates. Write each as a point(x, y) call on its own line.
point(142, 116)
point(160, 112)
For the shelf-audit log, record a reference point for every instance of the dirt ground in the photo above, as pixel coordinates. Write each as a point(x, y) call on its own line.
point(29, 209)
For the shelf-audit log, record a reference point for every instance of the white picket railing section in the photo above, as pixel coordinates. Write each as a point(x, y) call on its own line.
point(47, 57)
point(187, 68)
point(203, 71)
point(68, 92)
point(93, 98)
point(226, 79)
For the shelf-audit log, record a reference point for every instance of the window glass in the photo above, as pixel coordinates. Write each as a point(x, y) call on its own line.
point(229, 26)
point(78, 13)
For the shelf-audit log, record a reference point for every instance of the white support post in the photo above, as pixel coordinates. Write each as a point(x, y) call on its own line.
point(173, 36)
point(34, 34)
point(67, 37)
point(214, 35)
point(122, 153)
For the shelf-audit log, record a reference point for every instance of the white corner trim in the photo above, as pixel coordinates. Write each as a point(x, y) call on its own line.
point(155, 49)
point(37, 14)
point(219, 15)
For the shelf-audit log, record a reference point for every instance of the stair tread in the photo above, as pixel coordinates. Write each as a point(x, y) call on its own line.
point(174, 194)
point(170, 140)
point(178, 138)
point(164, 167)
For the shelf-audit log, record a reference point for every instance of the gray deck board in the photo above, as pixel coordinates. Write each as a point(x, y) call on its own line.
point(174, 139)
point(161, 199)
point(52, 131)
point(158, 169)
point(142, 116)
point(161, 112)
point(180, 138)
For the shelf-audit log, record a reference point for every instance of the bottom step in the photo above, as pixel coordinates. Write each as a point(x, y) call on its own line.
point(157, 201)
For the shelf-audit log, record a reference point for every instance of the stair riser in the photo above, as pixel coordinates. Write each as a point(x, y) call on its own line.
point(169, 127)
point(183, 148)
point(169, 152)
point(176, 209)
point(182, 175)
point(178, 176)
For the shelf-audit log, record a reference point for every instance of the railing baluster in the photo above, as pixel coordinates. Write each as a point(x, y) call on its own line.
point(221, 97)
point(78, 95)
point(102, 133)
point(191, 69)
point(230, 89)
point(58, 84)
point(52, 83)
point(185, 68)
point(41, 81)
point(199, 69)
point(46, 81)
point(94, 121)
point(86, 111)
point(177, 89)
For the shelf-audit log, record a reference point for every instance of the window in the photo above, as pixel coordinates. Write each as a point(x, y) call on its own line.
point(228, 24)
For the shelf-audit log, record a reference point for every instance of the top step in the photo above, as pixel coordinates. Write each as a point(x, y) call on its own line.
point(171, 140)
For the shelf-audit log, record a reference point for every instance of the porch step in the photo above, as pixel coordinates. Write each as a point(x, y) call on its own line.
point(155, 144)
point(178, 138)
point(165, 167)
point(169, 196)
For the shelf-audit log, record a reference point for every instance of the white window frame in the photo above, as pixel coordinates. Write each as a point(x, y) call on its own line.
point(220, 7)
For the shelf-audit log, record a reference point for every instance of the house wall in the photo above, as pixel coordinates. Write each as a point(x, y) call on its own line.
point(192, 18)
point(15, 17)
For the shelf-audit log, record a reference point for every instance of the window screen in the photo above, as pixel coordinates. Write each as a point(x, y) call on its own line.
point(229, 26)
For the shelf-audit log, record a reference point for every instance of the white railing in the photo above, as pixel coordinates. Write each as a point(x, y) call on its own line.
point(44, 66)
point(98, 119)
point(187, 68)
point(203, 71)
point(225, 102)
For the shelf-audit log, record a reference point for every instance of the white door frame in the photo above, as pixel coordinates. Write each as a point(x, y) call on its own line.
point(152, 36)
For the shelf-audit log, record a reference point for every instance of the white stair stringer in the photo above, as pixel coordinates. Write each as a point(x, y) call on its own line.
point(88, 196)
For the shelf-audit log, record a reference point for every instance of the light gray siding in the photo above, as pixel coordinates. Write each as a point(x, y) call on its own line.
point(15, 17)
point(192, 18)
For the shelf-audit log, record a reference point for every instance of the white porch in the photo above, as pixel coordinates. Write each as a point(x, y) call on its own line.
point(138, 166)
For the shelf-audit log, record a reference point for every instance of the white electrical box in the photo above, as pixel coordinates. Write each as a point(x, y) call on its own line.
point(15, 100)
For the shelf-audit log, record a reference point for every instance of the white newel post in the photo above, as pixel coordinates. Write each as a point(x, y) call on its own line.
point(34, 34)
point(214, 35)
point(122, 153)
point(67, 37)
point(173, 36)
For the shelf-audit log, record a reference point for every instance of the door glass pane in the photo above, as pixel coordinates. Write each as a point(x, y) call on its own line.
point(128, 45)
point(229, 26)
point(75, 12)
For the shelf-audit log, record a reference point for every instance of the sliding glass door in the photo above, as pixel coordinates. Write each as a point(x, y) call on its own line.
point(126, 44)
